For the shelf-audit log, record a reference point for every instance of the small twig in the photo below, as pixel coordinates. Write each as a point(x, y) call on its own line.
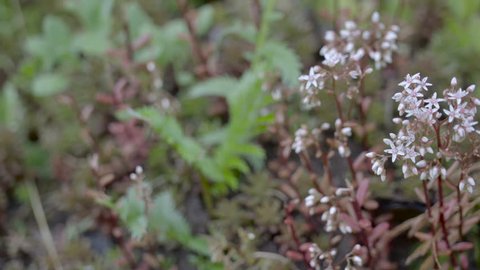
point(42, 223)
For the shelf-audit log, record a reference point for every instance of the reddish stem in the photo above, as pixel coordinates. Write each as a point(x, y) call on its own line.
point(442, 220)
point(293, 232)
point(441, 217)
point(429, 213)
point(356, 206)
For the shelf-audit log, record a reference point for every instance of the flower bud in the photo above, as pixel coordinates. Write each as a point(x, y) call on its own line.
point(453, 82)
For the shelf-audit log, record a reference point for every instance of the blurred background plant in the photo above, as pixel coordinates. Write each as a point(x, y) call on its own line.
point(199, 94)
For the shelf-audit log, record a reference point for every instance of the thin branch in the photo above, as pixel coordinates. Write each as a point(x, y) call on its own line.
point(42, 223)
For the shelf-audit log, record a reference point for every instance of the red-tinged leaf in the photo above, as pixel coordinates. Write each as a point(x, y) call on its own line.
point(362, 191)
point(420, 195)
point(450, 208)
point(442, 247)
point(423, 236)
point(366, 103)
point(417, 224)
point(462, 246)
point(370, 205)
point(469, 223)
point(357, 163)
point(350, 222)
point(418, 252)
point(464, 261)
point(104, 99)
point(379, 230)
point(365, 224)
point(294, 255)
point(427, 263)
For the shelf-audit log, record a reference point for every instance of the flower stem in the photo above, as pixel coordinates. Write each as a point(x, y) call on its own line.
point(441, 220)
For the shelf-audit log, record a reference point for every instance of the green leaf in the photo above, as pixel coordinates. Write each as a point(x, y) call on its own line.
point(138, 20)
point(204, 20)
point(189, 149)
point(131, 209)
point(95, 15)
point(167, 220)
point(246, 31)
point(92, 42)
point(219, 86)
point(11, 109)
point(54, 43)
point(284, 60)
point(96, 19)
point(48, 84)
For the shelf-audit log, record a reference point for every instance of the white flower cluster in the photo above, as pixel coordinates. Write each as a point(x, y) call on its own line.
point(344, 53)
point(428, 132)
point(342, 132)
point(331, 216)
point(353, 44)
point(304, 137)
point(317, 256)
point(137, 174)
point(354, 259)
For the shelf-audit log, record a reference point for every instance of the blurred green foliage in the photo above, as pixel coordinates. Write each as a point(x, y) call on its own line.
point(52, 51)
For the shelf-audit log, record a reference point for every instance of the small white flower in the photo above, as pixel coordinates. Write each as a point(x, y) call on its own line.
point(357, 260)
point(453, 82)
point(375, 17)
point(394, 149)
point(329, 36)
point(457, 95)
point(311, 79)
point(347, 131)
point(139, 170)
point(434, 102)
point(469, 184)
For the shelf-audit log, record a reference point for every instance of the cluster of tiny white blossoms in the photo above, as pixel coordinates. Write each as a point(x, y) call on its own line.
point(345, 54)
point(331, 211)
point(319, 259)
point(354, 258)
point(432, 129)
point(304, 137)
point(342, 133)
point(137, 173)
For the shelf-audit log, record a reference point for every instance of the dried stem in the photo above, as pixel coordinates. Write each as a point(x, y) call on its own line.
point(42, 223)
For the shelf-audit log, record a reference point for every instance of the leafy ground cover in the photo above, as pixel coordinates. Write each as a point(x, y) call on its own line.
point(183, 135)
